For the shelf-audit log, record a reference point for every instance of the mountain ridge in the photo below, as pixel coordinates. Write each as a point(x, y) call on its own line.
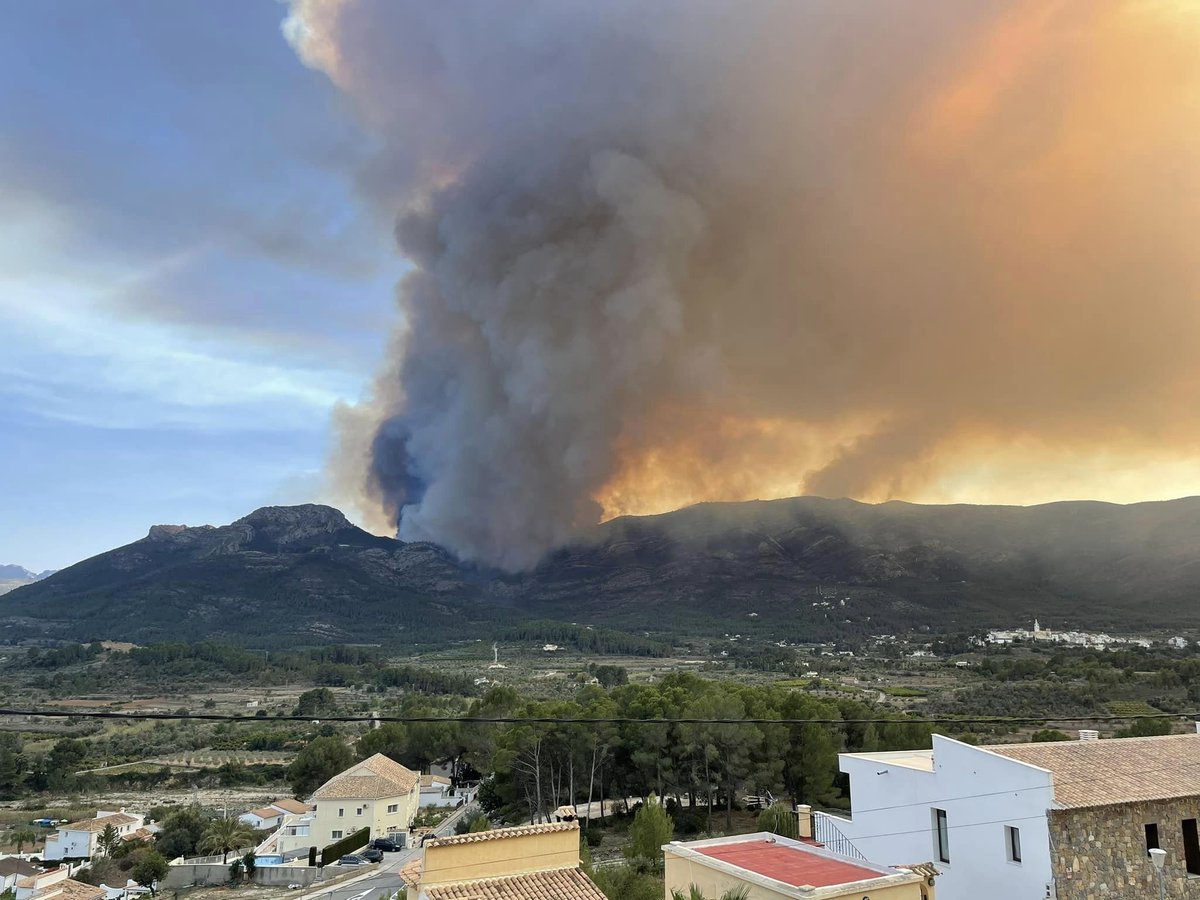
point(307, 574)
point(14, 576)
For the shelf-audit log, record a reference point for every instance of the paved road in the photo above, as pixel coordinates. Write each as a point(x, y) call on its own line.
point(385, 879)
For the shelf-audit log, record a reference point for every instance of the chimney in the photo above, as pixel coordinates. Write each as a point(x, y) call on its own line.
point(1198, 726)
point(804, 819)
point(1088, 734)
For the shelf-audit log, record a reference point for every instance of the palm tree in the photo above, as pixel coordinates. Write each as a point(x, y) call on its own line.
point(108, 839)
point(224, 835)
point(22, 836)
point(694, 893)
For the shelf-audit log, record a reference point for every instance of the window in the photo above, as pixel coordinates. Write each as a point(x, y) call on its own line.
point(358, 812)
point(1012, 838)
point(1191, 847)
point(393, 807)
point(335, 834)
point(1151, 837)
point(941, 835)
point(341, 812)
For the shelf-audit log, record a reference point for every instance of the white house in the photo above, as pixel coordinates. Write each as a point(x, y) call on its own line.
point(56, 884)
point(80, 840)
point(437, 790)
point(261, 819)
point(271, 816)
point(13, 868)
point(292, 838)
point(1013, 821)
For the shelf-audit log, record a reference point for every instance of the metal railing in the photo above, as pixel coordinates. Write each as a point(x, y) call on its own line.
point(827, 833)
point(215, 858)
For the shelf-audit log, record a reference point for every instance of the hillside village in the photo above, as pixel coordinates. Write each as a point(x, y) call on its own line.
point(1074, 820)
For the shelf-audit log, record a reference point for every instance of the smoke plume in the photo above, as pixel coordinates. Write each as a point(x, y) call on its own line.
point(709, 249)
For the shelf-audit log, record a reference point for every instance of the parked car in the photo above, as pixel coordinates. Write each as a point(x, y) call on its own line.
point(352, 859)
point(371, 855)
point(43, 823)
point(387, 845)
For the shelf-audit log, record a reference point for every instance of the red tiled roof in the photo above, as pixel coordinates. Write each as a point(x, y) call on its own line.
point(786, 864)
point(295, 807)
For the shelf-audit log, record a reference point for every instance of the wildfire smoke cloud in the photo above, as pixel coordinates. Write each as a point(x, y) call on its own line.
point(694, 250)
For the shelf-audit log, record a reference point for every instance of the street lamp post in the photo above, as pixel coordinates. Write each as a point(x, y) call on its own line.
point(1158, 857)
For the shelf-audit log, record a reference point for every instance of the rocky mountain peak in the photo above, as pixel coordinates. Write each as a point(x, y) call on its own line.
point(291, 524)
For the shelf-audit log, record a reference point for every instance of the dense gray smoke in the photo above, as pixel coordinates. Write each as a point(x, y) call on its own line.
point(685, 249)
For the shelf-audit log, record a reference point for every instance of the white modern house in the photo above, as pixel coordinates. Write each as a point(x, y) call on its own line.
point(80, 840)
point(1068, 820)
point(262, 819)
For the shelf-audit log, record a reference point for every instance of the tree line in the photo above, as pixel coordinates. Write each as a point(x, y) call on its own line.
point(706, 769)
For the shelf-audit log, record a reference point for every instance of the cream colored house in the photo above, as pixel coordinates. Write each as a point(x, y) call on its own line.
point(377, 793)
point(503, 864)
point(770, 867)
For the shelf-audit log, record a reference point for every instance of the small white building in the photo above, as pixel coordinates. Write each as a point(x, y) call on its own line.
point(261, 819)
point(437, 790)
point(271, 816)
point(80, 840)
point(1007, 821)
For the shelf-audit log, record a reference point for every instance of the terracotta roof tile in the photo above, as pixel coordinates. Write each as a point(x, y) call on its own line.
point(372, 779)
point(501, 833)
point(295, 807)
point(69, 889)
point(1119, 770)
point(116, 819)
point(555, 884)
point(11, 865)
point(410, 873)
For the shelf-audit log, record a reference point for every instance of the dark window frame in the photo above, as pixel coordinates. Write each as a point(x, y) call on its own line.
point(941, 835)
point(1191, 846)
point(1012, 840)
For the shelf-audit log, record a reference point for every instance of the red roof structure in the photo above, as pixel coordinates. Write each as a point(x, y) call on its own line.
point(787, 864)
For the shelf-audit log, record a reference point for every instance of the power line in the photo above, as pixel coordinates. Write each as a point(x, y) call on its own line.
point(370, 717)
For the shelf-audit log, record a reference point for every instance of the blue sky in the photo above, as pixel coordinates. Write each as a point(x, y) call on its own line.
point(188, 282)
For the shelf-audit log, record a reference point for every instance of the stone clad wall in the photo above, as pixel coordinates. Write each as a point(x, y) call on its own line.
point(1100, 853)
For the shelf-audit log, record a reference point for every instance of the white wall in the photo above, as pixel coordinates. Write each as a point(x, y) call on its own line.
point(71, 844)
point(981, 792)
